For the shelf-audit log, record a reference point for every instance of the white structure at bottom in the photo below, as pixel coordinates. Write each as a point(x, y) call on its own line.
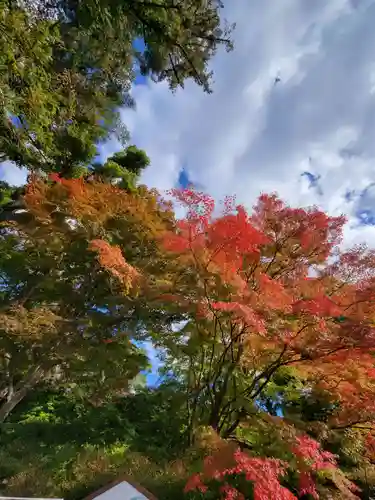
point(122, 491)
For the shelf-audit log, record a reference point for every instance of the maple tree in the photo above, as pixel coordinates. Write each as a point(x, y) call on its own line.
point(263, 294)
point(266, 294)
point(231, 473)
point(65, 313)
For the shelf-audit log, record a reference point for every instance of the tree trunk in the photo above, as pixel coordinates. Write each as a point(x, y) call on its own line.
point(215, 417)
point(227, 433)
point(19, 392)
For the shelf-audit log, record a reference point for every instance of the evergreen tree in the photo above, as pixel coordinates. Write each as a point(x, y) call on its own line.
point(67, 68)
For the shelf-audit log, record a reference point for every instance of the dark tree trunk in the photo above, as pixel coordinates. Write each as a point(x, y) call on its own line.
point(20, 391)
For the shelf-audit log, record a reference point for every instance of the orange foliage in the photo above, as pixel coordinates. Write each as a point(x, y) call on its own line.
point(111, 258)
point(97, 203)
point(102, 213)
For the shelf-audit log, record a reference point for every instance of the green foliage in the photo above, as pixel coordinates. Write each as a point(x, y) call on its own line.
point(289, 395)
point(66, 69)
point(6, 192)
point(311, 406)
point(123, 168)
point(50, 317)
point(179, 38)
point(133, 159)
point(53, 110)
point(63, 318)
point(63, 416)
point(75, 447)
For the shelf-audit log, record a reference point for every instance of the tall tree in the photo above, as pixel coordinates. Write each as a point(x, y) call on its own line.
point(262, 293)
point(179, 37)
point(71, 304)
point(67, 68)
point(54, 108)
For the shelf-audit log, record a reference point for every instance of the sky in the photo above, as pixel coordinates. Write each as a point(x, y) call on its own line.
point(310, 137)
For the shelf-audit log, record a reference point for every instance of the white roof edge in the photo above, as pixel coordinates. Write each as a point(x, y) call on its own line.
point(28, 498)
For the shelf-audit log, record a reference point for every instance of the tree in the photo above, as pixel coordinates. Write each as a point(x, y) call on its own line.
point(71, 305)
point(273, 358)
point(67, 69)
point(262, 293)
point(50, 325)
point(54, 110)
point(123, 167)
point(231, 473)
point(179, 37)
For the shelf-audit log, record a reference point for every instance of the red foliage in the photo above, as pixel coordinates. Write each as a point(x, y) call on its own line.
point(241, 312)
point(309, 451)
point(279, 277)
point(321, 306)
point(54, 177)
point(274, 295)
point(307, 485)
point(226, 239)
point(313, 231)
point(230, 493)
point(370, 446)
point(263, 472)
point(195, 483)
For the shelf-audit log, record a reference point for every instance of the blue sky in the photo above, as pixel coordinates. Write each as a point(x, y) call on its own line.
point(140, 47)
point(152, 376)
point(183, 180)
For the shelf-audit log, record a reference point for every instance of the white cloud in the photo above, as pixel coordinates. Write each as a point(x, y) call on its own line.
point(12, 174)
point(251, 135)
